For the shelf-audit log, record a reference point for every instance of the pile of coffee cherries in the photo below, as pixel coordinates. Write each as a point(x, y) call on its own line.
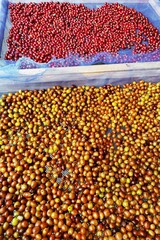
point(46, 30)
point(81, 163)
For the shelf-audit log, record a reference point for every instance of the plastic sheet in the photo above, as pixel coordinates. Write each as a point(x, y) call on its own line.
point(75, 60)
point(3, 16)
point(124, 56)
point(156, 5)
point(40, 79)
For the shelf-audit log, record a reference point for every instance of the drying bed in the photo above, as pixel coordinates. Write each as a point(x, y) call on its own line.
point(82, 50)
point(80, 162)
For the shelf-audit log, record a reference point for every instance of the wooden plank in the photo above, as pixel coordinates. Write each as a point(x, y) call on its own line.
point(93, 68)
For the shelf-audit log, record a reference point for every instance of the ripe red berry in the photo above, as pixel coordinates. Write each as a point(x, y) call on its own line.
point(46, 30)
